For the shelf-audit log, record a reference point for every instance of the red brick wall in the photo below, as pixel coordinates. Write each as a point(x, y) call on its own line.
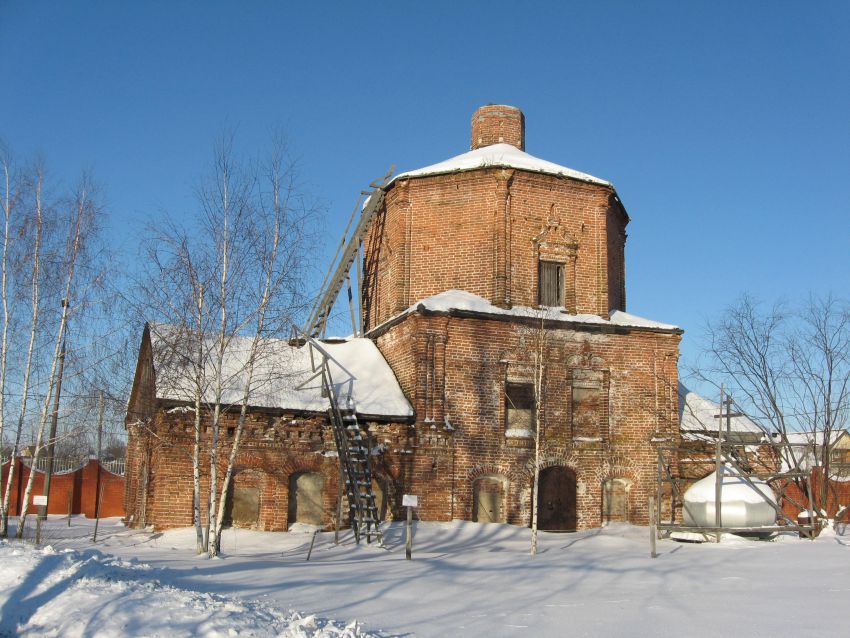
point(79, 489)
point(837, 496)
point(275, 447)
point(639, 374)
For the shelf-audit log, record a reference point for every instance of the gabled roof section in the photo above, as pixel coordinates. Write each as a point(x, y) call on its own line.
point(697, 419)
point(281, 374)
point(815, 437)
point(500, 156)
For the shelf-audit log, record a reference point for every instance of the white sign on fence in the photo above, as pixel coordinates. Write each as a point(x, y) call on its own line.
point(39, 499)
point(408, 500)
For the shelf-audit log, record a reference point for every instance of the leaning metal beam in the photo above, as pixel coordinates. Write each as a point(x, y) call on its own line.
point(319, 315)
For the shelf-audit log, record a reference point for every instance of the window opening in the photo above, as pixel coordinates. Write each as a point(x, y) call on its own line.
point(519, 409)
point(551, 283)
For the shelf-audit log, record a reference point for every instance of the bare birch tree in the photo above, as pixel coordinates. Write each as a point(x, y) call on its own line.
point(539, 336)
point(79, 222)
point(225, 201)
point(10, 197)
point(790, 369)
point(277, 233)
point(35, 281)
point(172, 287)
point(234, 278)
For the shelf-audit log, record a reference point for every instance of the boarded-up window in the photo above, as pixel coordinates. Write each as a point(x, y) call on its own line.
point(305, 498)
point(243, 506)
point(588, 407)
point(519, 409)
point(488, 500)
point(615, 506)
point(551, 283)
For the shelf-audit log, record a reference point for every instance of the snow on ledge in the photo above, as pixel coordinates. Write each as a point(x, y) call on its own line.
point(469, 302)
point(499, 155)
point(519, 433)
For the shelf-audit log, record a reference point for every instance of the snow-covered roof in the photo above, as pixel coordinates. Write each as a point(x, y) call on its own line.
point(466, 301)
point(697, 417)
point(282, 375)
point(499, 155)
point(817, 437)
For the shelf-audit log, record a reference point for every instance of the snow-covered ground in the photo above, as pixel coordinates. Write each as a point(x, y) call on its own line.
point(465, 579)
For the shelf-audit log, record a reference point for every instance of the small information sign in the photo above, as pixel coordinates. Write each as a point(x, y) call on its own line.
point(39, 499)
point(408, 500)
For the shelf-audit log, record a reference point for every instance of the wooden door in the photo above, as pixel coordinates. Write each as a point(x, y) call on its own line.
point(556, 500)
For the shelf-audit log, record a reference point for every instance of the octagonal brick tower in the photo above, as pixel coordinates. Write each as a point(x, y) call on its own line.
point(473, 268)
point(498, 223)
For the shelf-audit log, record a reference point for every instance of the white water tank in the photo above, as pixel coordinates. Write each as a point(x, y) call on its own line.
point(741, 504)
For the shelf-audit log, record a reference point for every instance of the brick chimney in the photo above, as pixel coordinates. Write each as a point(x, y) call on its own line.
point(497, 124)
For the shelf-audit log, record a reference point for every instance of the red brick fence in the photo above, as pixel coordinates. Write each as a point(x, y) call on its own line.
point(75, 489)
point(837, 497)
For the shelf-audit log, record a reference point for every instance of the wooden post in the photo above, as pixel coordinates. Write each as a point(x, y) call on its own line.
point(812, 534)
point(312, 541)
point(653, 531)
point(42, 515)
point(718, 469)
point(70, 504)
point(99, 496)
point(408, 547)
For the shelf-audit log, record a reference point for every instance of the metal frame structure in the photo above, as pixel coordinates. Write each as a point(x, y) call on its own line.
point(728, 453)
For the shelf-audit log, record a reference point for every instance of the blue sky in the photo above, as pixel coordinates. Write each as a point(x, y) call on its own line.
point(725, 127)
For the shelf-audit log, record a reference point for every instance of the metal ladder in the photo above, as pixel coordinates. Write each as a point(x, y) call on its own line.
point(353, 446)
point(347, 253)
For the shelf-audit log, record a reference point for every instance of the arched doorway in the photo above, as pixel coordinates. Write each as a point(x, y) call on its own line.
point(488, 499)
point(556, 500)
point(306, 502)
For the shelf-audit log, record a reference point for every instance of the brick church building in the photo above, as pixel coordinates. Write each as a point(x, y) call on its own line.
point(473, 269)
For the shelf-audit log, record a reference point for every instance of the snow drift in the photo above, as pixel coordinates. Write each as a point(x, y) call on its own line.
point(69, 593)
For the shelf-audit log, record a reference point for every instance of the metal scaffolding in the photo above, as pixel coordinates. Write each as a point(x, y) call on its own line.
point(718, 447)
